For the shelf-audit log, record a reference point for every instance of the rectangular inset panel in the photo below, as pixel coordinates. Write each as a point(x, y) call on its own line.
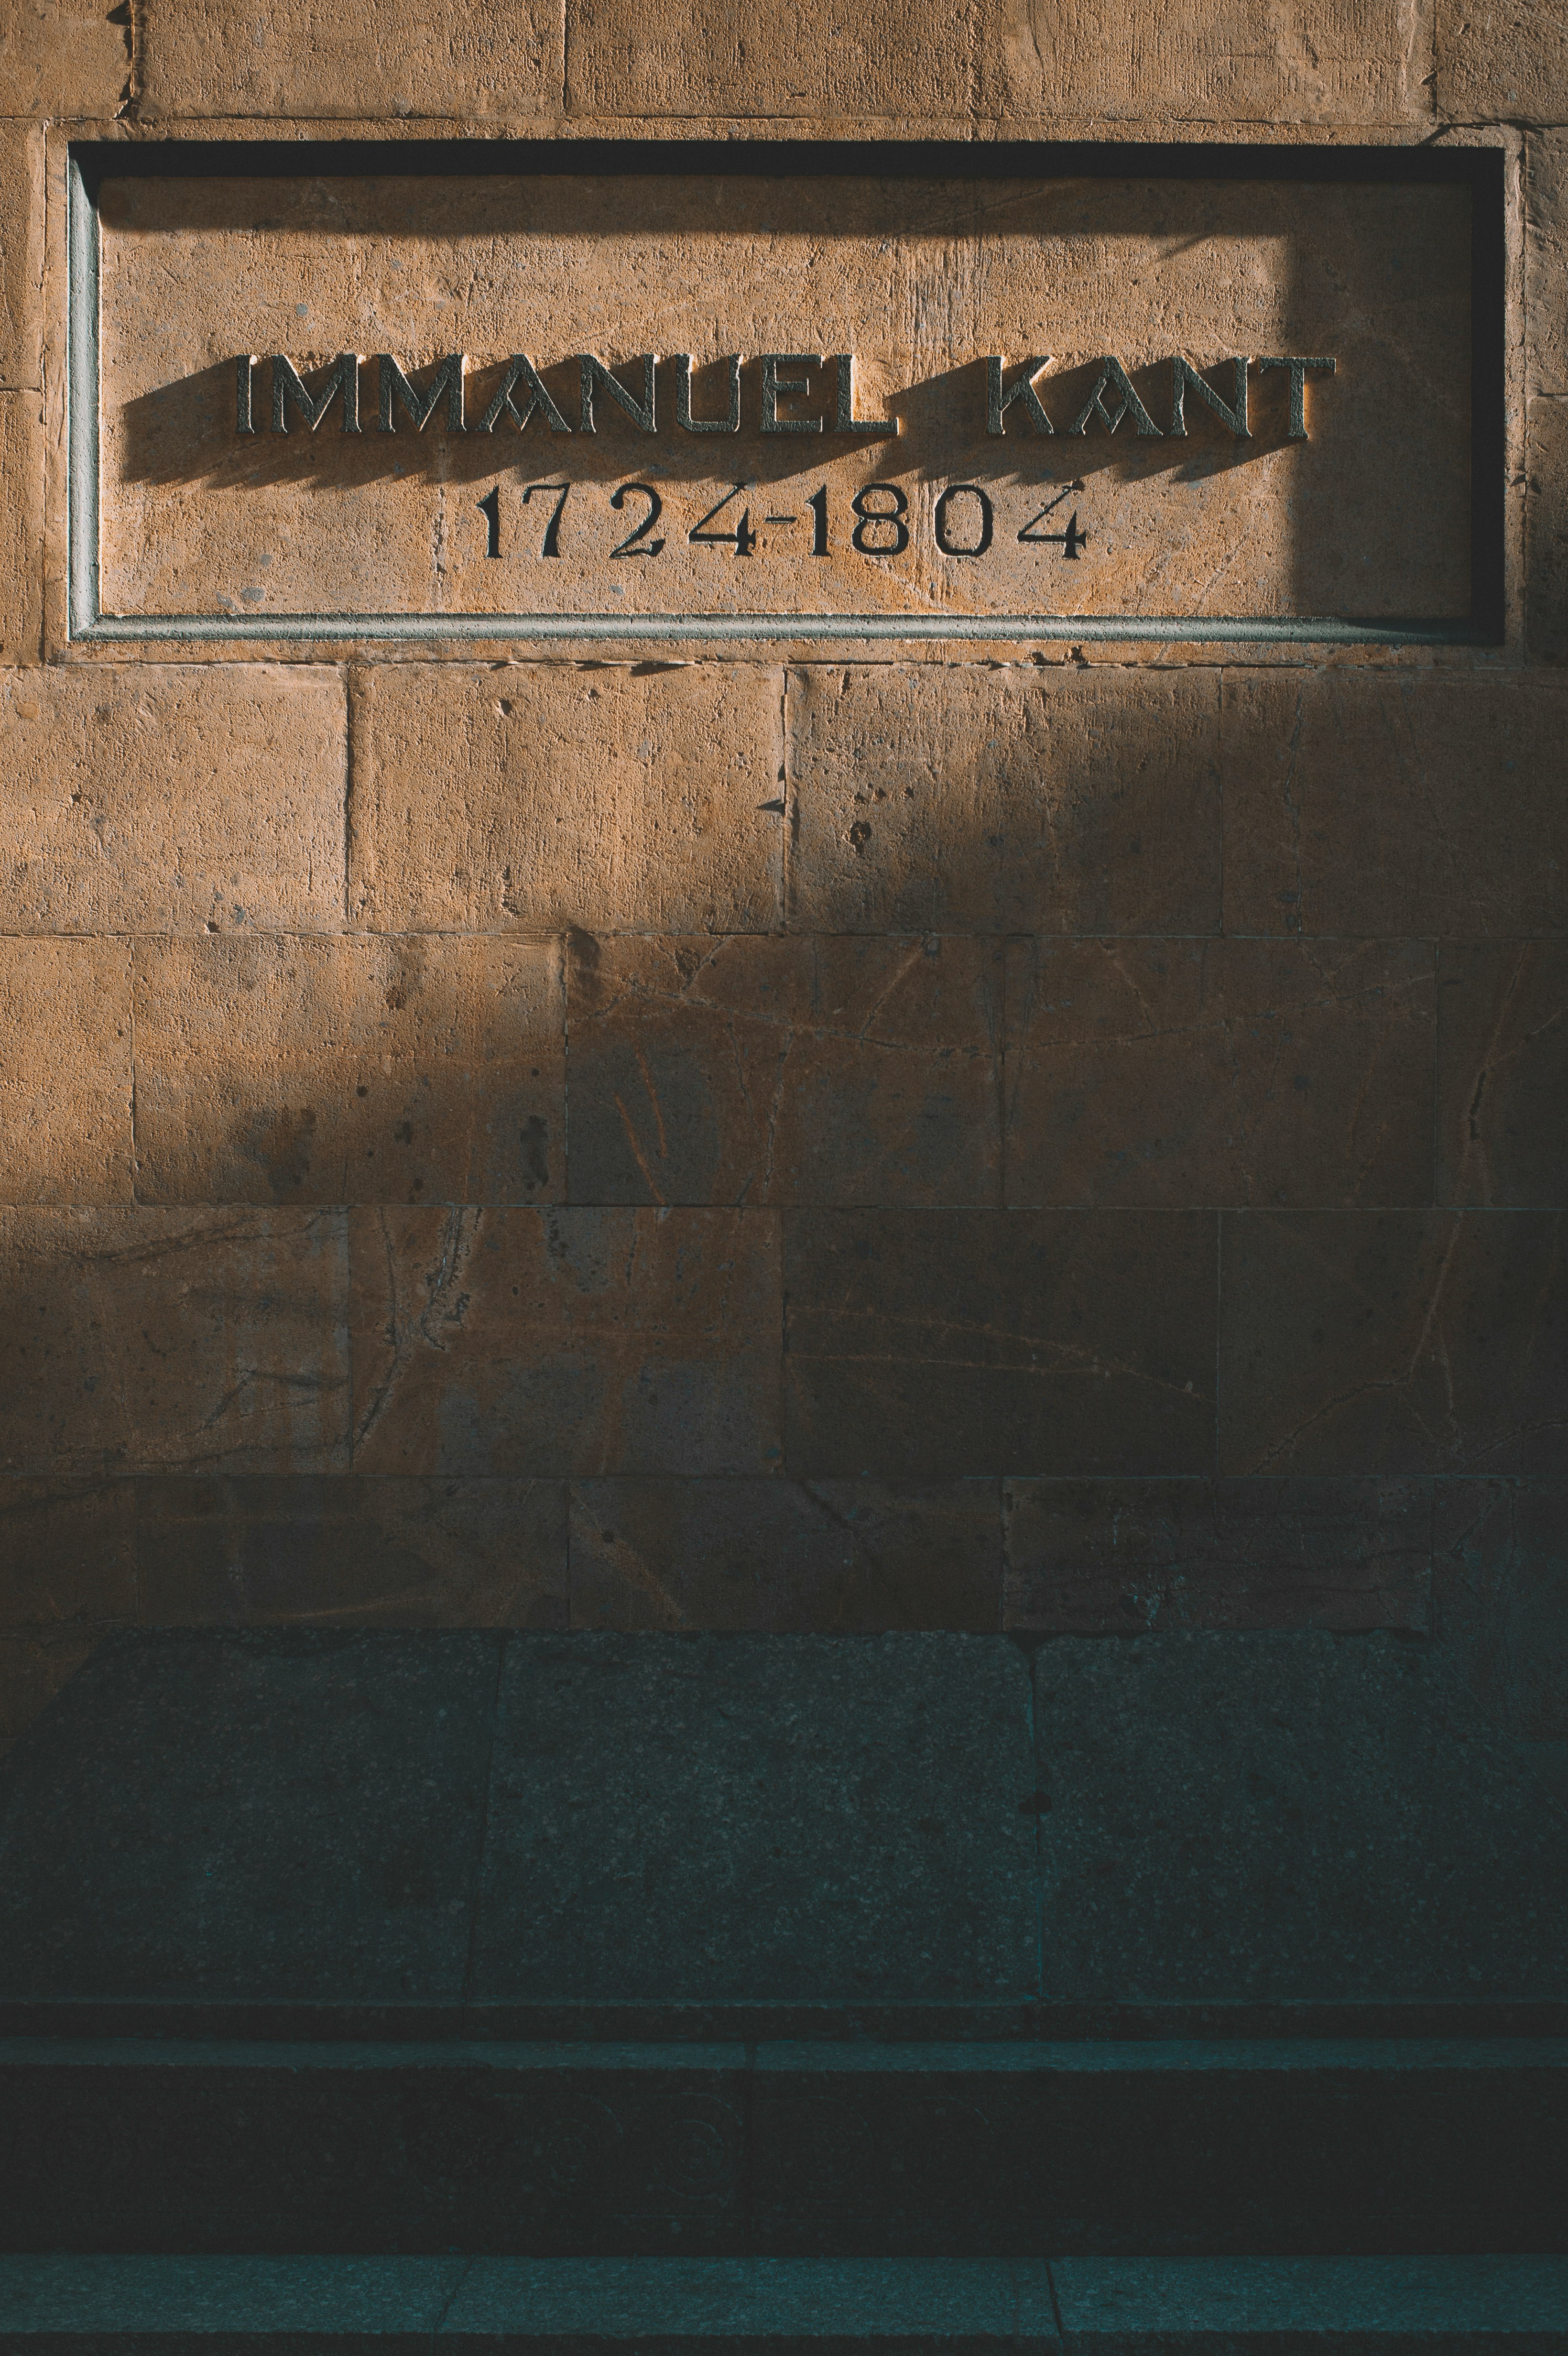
point(823, 392)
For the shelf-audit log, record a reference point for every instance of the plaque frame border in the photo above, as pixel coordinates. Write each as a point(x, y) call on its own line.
point(1479, 168)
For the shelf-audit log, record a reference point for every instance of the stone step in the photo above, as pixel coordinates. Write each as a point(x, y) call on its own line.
point(1073, 2307)
point(463, 1821)
point(847, 2149)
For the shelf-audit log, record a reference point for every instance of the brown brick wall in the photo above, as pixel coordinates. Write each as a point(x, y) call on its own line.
point(1072, 1145)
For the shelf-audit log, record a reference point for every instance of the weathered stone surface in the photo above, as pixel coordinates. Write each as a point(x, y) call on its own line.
point(343, 1071)
point(624, 59)
point(1393, 1341)
point(171, 798)
point(65, 1071)
point(1501, 1596)
point(1502, 1073)
point(21, 532)
point(251, 1813)
point(21, 253)
point(1362, 802)
point(1317, 61)
point(799, 1816)
point(1354, 1830)
point(1226, 1072)
point(1546, 261)
point(321, 58)
point(66, 1552)
point(1116, 1558)
point(981, 800)
point(1546, 529)
point(34, 1666)
point(154, 1340)
point(940, 1344)
point(715, 60)
point(768, 1069)
point(1373, 810)
point(801, 1555)
point(344, 1551)
point(63, 57)
point(543, 797)
point(1501, 62)
point(566, 1342)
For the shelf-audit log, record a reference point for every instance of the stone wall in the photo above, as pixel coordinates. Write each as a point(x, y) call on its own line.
point(1071, 1143)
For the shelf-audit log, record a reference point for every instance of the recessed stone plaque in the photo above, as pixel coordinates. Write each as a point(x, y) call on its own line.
point(1021, 394)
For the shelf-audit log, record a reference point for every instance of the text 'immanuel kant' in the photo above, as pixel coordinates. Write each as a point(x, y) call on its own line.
point(785, 382)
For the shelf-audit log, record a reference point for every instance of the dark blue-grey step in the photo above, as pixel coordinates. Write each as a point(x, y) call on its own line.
point(1250, 2307)
point(426, 1818)
point(850, 2149)
point(1292, 1814)
point(849, 2020)
point(1297, 2307)
point(464, 1825)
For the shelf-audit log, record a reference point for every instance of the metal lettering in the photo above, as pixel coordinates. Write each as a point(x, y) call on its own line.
point(681, 362)
point(998, 402)
point(774, 384)
point(1298, 390)
point(1113, 373)
point(1113, 397)
point(1184, 378)
point(421, 407)
point(521, 370)
point(845, 420)
point(596, 378)
point(287, 387)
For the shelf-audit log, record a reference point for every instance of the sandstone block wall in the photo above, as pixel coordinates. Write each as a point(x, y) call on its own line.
point(1070, 1143)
